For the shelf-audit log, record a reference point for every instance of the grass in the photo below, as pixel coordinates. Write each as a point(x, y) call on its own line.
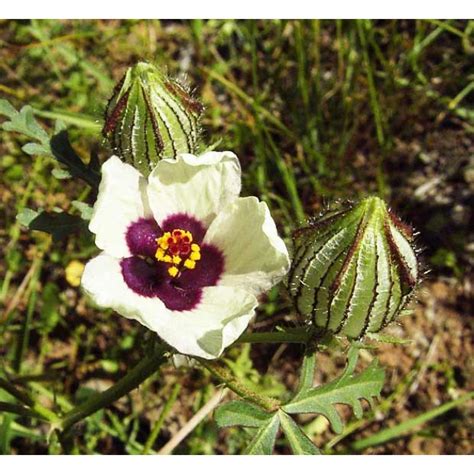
point(317, 111)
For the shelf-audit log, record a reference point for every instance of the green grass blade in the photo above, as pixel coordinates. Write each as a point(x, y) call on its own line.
point(406, 427)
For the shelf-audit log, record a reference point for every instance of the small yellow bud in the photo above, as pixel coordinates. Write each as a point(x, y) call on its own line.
point(74, 272)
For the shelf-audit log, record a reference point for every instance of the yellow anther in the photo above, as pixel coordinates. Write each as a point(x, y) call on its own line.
point(163, 241)
point(173, 271)
point(181, 244)
point(190, 264)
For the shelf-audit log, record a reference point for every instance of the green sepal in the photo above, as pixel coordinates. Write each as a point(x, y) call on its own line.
point(354, 270)
point(151, 116)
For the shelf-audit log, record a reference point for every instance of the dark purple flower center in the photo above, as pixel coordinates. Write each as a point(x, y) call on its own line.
point(152, 274)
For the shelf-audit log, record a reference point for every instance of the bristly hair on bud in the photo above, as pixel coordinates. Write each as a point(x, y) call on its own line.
point(354, 269)
point(151, 116)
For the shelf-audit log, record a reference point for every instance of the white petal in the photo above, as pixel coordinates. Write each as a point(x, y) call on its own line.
point(180, 360)
point(103, 282)
point(121, 201)
point(217, 321)
point(256, 258)
point(205, 331)
point(196, 185)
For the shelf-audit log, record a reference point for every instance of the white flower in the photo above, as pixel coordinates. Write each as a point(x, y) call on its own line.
point(183, 254)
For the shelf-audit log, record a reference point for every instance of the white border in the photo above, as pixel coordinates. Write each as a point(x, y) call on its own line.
point(220, 464)
point(185, 9)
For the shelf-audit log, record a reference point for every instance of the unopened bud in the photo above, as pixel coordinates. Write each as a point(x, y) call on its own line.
point(354, 269)
point(150, 117)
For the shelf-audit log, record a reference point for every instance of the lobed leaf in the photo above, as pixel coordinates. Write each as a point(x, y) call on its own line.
point(240, 413)
point(63, 151)
point(26, 215)
point(58, 224)
point(23, 122)
point(264, 439)
point(299, 442)
point(84, 209)
point(307, 372)
point(57, 146)
point(348, 389)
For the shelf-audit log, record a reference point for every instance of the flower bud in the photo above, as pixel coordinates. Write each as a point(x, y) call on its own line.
point(150, 117)
point(354, 269)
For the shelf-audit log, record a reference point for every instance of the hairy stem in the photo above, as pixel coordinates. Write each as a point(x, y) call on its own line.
point(36, 409)
point(225, 376)
point(297, 336)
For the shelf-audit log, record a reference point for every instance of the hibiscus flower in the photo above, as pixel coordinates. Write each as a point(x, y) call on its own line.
point(182, 253)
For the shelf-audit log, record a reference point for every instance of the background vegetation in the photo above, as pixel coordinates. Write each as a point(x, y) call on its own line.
point(317, 111)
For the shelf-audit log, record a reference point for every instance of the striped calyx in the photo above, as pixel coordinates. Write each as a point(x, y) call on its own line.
point(150, 117)
point(354, 269)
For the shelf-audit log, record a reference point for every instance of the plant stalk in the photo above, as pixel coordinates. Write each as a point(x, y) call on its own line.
point(229, 379)
point(301, 336)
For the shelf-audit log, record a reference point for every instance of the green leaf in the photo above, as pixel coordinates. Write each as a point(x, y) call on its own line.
point(25, 216)
point(241, 413)
point(307, 372)
point(84, 209)
point(348, 389)
point(264, 439)
point(299, 442)
point(65, 154)
point(7, 109)
point(24, 122)
point(60, 173)
point(58, 146)
point(36, 149)
point(58, 224)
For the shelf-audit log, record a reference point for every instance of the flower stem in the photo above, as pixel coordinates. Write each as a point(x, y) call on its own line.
point(300, 336)
point(36, 409)
point(146, 367)
point(19, 410)
point(224, 375)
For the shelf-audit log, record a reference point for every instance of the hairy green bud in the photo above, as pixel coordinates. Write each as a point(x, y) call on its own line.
point(150, 117)
point(354, 269)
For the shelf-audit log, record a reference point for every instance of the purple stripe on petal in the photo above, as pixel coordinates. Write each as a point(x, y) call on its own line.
point(141, 277)
point(151, 281)
point(185, 222)
point(207, 272)
point(141, 237)
point(179, 299)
